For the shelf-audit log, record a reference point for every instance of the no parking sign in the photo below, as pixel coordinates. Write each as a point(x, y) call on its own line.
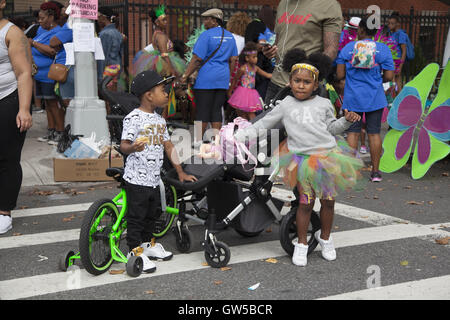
point(87, 9)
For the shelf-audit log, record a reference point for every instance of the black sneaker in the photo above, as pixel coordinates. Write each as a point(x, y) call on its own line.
point(55, 138)
point(376, 177)
point(47, 136)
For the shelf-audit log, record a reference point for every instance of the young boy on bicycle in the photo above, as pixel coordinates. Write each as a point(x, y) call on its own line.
point(144, 140)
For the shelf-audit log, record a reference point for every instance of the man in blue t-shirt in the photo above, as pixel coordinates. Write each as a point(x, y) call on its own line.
point(361, 63)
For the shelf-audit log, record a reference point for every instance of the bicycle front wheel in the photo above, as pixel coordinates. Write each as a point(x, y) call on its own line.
point(95, 250)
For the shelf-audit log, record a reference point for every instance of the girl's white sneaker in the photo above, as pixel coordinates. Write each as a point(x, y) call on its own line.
point(299, 258)
point(328, 251)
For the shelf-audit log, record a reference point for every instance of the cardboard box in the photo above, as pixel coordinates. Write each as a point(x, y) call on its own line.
point(74, 170)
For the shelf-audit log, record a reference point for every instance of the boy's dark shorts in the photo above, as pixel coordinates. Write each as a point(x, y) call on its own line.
point(373, 122)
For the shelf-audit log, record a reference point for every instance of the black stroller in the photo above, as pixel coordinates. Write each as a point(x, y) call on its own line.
point(247, 206)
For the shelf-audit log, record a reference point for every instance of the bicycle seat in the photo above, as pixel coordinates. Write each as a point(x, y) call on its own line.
point(116, 173)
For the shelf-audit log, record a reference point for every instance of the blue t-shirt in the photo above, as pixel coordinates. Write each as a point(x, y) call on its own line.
point(65, 35)
point(41, 60)
point(215, 74)
point(400, 37)
point(363, 90)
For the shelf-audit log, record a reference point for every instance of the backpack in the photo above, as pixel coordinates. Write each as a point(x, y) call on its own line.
point(230, 147)
point(410, 54)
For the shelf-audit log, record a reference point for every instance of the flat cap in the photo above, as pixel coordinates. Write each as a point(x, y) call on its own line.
point(215, 13)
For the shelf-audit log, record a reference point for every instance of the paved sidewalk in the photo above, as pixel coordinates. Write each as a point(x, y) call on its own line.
point(37, 157)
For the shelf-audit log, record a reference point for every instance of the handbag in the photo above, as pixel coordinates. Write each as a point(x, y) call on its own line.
point(58, 72)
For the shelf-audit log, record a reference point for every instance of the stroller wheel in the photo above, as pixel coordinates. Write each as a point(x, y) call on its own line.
point(221, 257)
point(183, 241)
point(288, 231)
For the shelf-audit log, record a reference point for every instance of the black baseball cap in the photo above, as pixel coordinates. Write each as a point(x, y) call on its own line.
point(146, 80)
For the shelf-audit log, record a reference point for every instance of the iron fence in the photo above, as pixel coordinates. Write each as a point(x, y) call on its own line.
point(428, 32)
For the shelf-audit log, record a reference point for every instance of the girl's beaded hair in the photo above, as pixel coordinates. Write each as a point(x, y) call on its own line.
point(317, 63)
point(250, 48)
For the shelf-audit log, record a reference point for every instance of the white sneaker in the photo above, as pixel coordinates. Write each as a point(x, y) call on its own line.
point(328, 251)
point(299, 258)
point(156, 251)
point(149, 266)
point(5, 223)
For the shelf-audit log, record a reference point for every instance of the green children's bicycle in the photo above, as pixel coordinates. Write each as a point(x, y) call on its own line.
point(104, 224)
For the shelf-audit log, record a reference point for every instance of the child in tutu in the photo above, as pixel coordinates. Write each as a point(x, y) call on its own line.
point(312, 159)
point(245, 98)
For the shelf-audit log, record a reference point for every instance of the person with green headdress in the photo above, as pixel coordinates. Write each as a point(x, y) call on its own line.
point(159, 56)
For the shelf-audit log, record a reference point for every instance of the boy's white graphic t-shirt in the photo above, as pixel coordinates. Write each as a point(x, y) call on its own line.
point(144, 168)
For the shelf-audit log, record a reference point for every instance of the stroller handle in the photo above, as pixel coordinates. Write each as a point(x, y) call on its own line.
point(169, 123)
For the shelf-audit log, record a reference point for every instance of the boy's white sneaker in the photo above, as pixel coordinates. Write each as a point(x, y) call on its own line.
point(149, 266)
point(156, 251)
point(5, 223)
point(328, 251)
point(299, 258)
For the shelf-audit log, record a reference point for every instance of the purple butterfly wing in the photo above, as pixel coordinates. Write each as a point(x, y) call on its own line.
point(404, 143)
point(437, 122)
point(406, 109)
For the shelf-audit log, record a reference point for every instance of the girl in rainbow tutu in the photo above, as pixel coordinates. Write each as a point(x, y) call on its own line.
point(311, 158)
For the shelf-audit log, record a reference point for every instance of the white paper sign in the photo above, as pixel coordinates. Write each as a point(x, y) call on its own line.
point(99, 54)
point(83, 37)
point(70, 55)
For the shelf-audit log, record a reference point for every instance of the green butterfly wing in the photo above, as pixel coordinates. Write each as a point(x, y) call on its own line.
point(439, 150)
point(389, 162)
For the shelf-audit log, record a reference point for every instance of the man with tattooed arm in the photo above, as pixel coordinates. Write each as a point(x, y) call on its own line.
point(311, 25)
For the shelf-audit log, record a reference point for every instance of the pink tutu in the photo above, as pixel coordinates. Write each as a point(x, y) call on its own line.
point(245, 99)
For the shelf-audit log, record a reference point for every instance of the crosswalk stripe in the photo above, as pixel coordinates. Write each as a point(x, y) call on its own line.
point(437, 288)
point(57, 282)
point(33, 212)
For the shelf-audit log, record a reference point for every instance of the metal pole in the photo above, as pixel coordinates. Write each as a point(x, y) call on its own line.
point(86, 112)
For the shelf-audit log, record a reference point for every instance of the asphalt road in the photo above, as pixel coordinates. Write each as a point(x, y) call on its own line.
point(385, 238)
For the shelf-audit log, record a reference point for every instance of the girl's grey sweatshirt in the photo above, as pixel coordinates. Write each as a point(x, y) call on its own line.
point(310, 124)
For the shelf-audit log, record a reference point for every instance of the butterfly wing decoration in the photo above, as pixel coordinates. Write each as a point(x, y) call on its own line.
point(415, 128)
point(431, 143)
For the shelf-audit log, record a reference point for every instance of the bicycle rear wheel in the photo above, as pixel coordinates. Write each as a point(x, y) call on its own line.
point(165, 220)
point(95, 250)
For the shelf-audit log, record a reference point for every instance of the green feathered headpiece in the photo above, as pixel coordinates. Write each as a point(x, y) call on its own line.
point(192, 40)
point(160, 10)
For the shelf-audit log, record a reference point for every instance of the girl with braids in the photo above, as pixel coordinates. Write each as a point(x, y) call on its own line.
point(312, 159)
point(245, 99)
